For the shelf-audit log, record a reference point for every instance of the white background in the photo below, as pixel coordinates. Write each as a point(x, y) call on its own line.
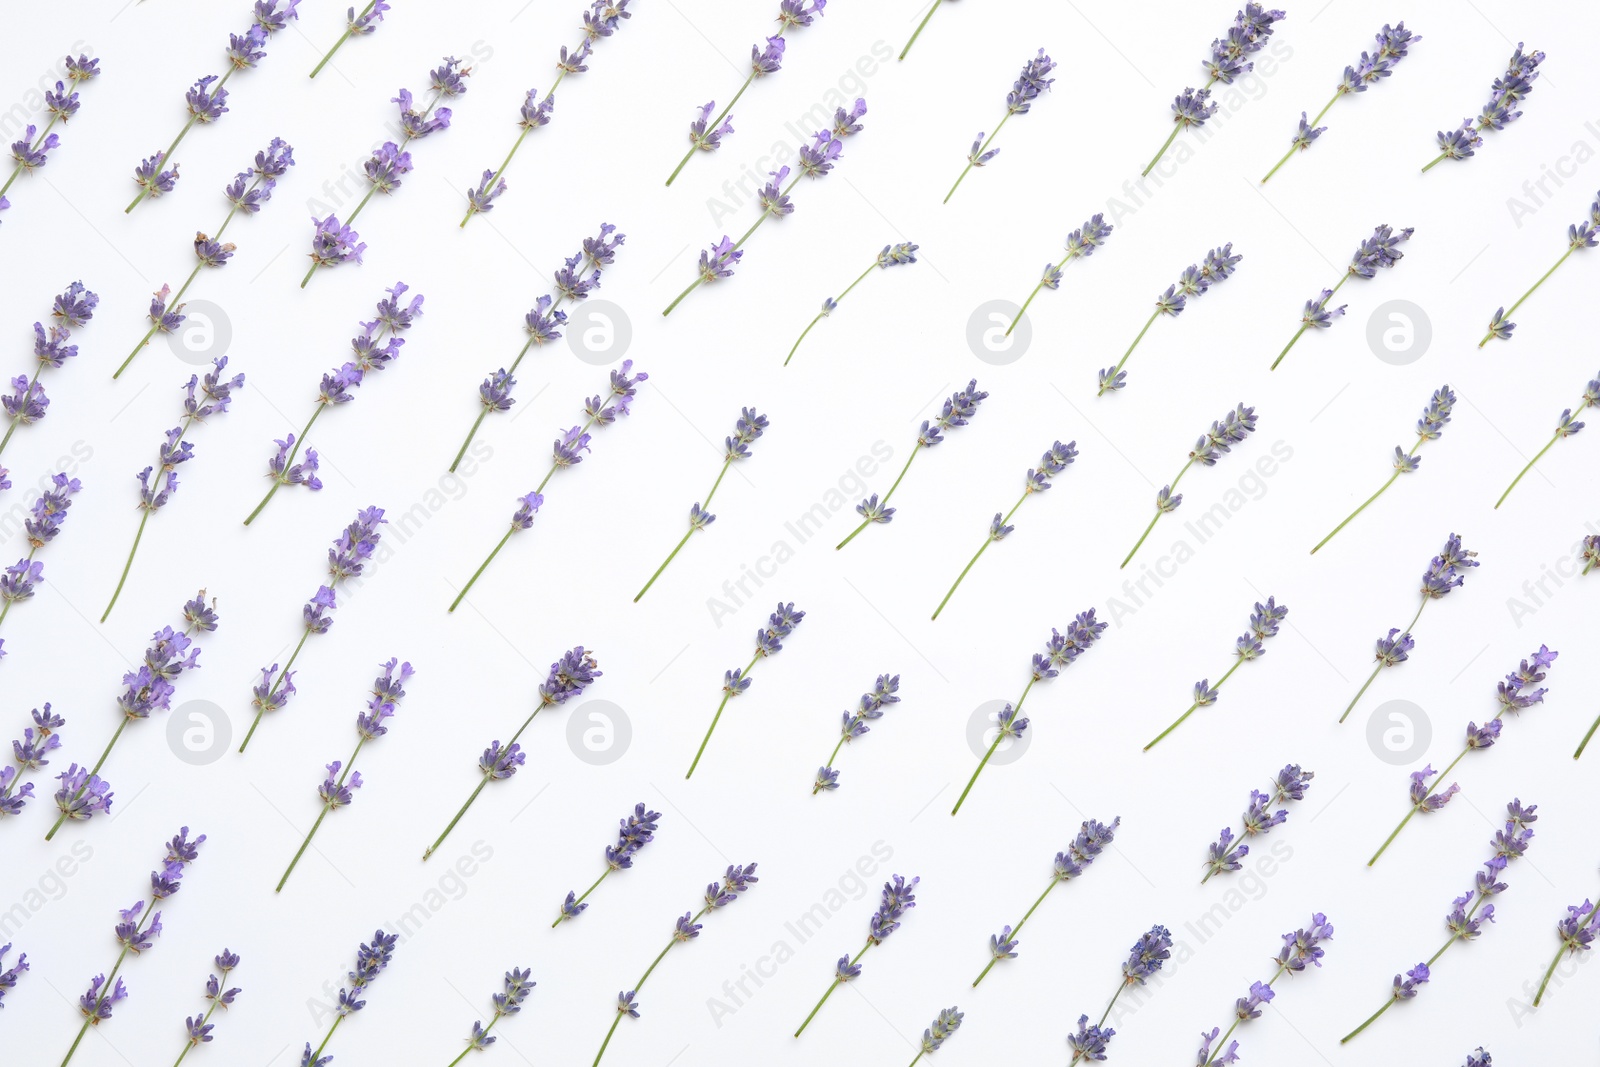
point(868, 374)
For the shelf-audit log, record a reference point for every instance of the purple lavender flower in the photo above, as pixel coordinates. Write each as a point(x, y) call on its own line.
point(1566, 426)
point(769, 642)
point(32, 151)
point(853, 724)
point(1264, 623)
point(199, 1026)
point(27, 401)
point(1232, 429)
point(46, 515)
point(1029, 86)
point(1218, 265)
point(355, 26)
point(1227, 853)
point(1577, 934)
point(1144, 962)
point(371, 960)
point(518, 985)
point(891, 256)
point(1581, 235)
point(1090, 1042)
point(1509, 89)
point(30, 753)
point(897, 898)
point(947, 1023)
point(1300, 947)
point(636, 831)
point(10, 976)
point(1377, 252)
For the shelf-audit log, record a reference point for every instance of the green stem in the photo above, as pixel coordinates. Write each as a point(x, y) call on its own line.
point(276, 683)
point(1173, 136)
point(351, 220)
point(1436, 161)
point(1431, 961)
point(91, 1016)
point(1148, 323)
point(1294, 147)
point(979, 152)
point(293, 452)
point(1529, 293)
point(481, 415)
point(1223, 1044)
point(562, 917)
point(126, 567)
point(836, 984)
point(1157, 517)
point(323, 814)
point(172, 305)
point(452, 824)
point(481, 568)
point(989, 541)
point(640, 984)
point(1371, 677)
point(884, 502)
point(1525, 470)
point(993, 745)
point(1566, 946)
point(1179, 721)
point(670, 557)
point(327, 1038)
point(1321, 304)
point(1017, 929)
point(815, 788)
point(714, 720)
point(714, 124)
point(822, 314)
point(472, 209)
point(1416, 807)
point(907, 48)
point(1585, 743)
point(1363, 507)
point(471, 1047)
point(191, 1044)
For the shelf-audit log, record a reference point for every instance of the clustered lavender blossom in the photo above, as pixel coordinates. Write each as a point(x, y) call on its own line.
point(1218, 265)
point(207, 99)
point(374, 348)
point(136, 933)
point(1430, 427)
point(49, 511)
point(1029, 86)
point(635, 831)
point(1583, 234)
point(1577, 933)
point(1144, 962)
point(1516, 694)
point(248, 192)
point(334, 242)
point(946, 1024)
point(32, 150)
point(897, 898)
point(1471, 912)
point(1301, 948)
point(338, 787)
point(1566, 426)
point(746, 428)
point(719, 894)
point(853, 724)
point(1234, 427)
point(1509, 89)
point(351, 551)
point(10, 976)
point(1093, 838)
point(371, 959)
point(199, 1027)
point(1227, 854)
point(1264, 623)
point(1392, 45)
point(361, 25)
point(957, 410)
point(38, 741)
point(603, 18)
point(518, 984)
point(769, 642)
point(203, 397)
point(1080, 244)
point(569, 676)
point(26, 403)
point(891, 256)
point(1373, 254)
point(706, 133)
point(1060, 652)
point(1228, 61)
point(1445, 572)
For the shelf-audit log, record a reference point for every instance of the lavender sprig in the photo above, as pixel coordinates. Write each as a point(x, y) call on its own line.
point(373, 349)
point(1301, 948)
point(136, 933)
point(891, 256)
point(49, 512)
point(1233, 428)
point(1093, 838)
point(338, 788)
point(1515, 694)
point(1227, 855)
point(1195, 281)
point(1471, 913)
point(718, 895)
point(1445, 572)
point(1028, 87)
point(371, 959)
point(918, 32)
point(207, 98)
point(815, 160)
point(334, 242)
point(946, 1024)
point(1577, 933)
point(10, 976)
point(506, 1004)
point(1145, 960)
point(1228, 61)
point(1373, 254)
point(853, 724)
point(706, 134)
point(769, 642)
point(199, 1027)
point(569, 676)
point(32, 151)
point(1060, 652)
point(746, 429)
point(1429, 428)
point(27, 402)
point(203, 397)
point(355, 26)
point(248, 192)
point(1509, 90)
point(897, 898)
point(1566, 426)
point(1080, 244)
point(604, 18)
point(1392, 45)
point(635, 832)
point(1055, 460)
point(601, 410)
point(1264, 623)
point(957, 410)
point(352, 550)
point(1584, 234)
point(30, 753)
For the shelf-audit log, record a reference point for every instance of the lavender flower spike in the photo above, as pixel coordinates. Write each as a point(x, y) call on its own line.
point(1581, 235)
point(769, 642)
point(1055, 460)
point(27, 402)
point(1195, 281)
point(1429, 427)
point(947, 1023)
point(355, 26)
point(1577, 933)
point(1060, 652)
point(635, 831)
point(1375, 253)
point(1301, 948)
point(49, 512)
point(1566, 426)
point(32, 151)
point(569, 676)
point(30, 753)
point(371, 959)
point(1080, 244)
point(1227, 855)
point(853, 724)
point(957, 410)
point(1145, 960)
point(891, 256)
point(1233, 428)
point(1093, 838)
point(1471, 913)
point(518, 985)
point(1029, 86)
point(199, 1027)
point(1392, 44)
point(9, 976)
point(1264, 623)
point(897, 898)
point(1509, 90)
